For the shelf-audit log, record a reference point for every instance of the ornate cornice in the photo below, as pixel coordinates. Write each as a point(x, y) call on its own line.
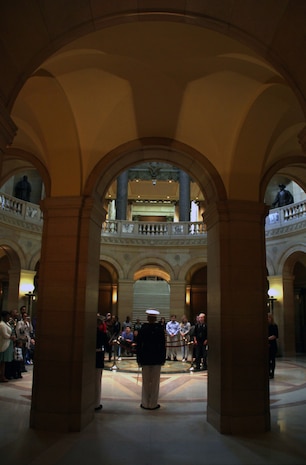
point(14, 222)
point(150, 241)
point(289, 229)
point(302, 139)
point(8, 129)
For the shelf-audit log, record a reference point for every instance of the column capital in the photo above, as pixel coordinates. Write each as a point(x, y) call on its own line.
point(302, 138)
point(71, 206)
point(8, 129)
point(235, 210)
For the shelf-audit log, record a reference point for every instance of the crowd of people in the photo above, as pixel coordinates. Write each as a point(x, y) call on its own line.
point(152, 343)
point(184, 341)
point(17, 344)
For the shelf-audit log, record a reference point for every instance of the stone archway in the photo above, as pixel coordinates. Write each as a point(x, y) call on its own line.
point(242, 222)
point(292, 311)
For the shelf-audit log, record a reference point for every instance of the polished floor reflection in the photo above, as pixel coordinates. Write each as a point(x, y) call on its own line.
point(176, 434)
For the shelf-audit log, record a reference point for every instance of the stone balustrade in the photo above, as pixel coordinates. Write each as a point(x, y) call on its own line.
point(20, 209)
point(281, 216)
point(277, 221)
point(121, 228)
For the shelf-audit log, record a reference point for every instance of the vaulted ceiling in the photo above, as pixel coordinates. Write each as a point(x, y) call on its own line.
point(225, 78)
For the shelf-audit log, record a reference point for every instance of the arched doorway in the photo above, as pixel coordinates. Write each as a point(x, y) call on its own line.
point(299, 272)
point(167, 112)
point(198, 293)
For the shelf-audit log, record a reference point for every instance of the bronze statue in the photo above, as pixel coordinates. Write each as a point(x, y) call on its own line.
point(284, 197)
point(23, 189)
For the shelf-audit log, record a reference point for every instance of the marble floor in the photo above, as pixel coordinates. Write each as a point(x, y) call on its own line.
point(176, 434)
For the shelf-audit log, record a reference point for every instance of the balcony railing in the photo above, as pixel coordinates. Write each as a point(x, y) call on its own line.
point(20, 209)
point(289, 214)
point(123, 228)
point(293, 214)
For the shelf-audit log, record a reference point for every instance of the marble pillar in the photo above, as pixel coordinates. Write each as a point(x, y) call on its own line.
point(184, 197)
point(68, 287)
point(13, 290)
point(238, 384)
point(177, 298)
point(288, 323)
point(125, 299)
point(122, 196)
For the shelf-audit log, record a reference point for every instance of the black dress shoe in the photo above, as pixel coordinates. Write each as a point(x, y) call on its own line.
point(98, 408)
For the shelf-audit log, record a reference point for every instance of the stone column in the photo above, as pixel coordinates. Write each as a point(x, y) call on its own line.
point(8, 129)
point(177, 298)
point(288, 334)
point(13, 289)
point(125, 299)
point(64, 370)
point(238, 384)
point(122, 196)
point(184, 193)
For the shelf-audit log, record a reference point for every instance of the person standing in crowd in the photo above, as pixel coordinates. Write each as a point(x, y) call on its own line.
point(272, 338)
point(110, 332)
point(163, 323)
point(185, 337)
point(7, 339)
point(191, 334)
point(24, 332)
point(200, 342)
point(135, 339)
point(173, 333)
point(151, 355)
point(18, 359)
point(101, 347)
point(126, 323)
point(116, 333)
point(137, 325)
point(13, 319)
point(126, 340)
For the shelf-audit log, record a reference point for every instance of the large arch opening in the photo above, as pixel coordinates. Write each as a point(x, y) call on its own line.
point(92, 145)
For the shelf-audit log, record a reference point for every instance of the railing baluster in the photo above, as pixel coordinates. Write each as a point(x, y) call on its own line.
point(31, 212)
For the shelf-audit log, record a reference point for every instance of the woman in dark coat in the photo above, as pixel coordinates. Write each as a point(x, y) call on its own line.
point(101, 347)
point(272, 338)
point(151, 355)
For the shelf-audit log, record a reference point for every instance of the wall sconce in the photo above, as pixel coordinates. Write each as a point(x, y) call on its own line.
point(26, 287)
point(187, 295)
point(114, 295)
point(271, 300)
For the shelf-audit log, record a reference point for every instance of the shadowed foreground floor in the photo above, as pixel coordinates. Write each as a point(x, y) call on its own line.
point(176, 434)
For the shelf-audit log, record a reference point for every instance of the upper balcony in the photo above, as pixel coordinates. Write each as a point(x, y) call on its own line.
point(290, 219)
point(143, 233)
point(21, 214)
point(287, 220)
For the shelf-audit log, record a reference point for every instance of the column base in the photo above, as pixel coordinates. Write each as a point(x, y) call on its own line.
point(61, 422)
point(238, 425)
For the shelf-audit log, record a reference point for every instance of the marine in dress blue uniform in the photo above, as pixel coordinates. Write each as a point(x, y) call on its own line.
point(151, 355)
